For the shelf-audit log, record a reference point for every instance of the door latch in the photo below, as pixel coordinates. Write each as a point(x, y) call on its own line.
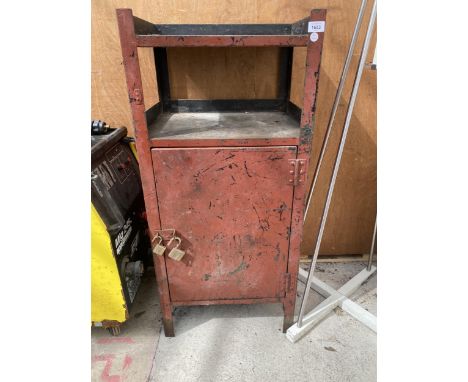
point(297, 171)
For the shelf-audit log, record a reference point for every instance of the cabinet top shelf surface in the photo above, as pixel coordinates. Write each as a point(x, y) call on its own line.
point(224, 125)
point(143, 27)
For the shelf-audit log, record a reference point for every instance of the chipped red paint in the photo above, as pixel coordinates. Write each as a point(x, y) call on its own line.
point(221, 41)
point(223, 269)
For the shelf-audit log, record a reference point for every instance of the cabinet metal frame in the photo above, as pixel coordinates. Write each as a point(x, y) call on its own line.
point(135, 33)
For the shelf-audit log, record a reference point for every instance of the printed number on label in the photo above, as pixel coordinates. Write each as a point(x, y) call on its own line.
point(316, 26)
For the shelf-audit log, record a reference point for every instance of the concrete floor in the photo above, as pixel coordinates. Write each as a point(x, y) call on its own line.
point(130, 356)
point(239, 342)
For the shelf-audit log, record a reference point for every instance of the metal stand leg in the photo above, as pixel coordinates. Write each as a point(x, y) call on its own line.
point(371, 254)
point(288, 309)
point(336, 167)
point(347, 305)
point(334, 298)
point(168, 322)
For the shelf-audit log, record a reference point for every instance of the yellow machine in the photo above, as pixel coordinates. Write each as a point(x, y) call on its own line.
point(119, 241)
point(107, 298)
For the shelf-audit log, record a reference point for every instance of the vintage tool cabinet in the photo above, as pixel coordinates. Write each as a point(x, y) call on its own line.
point(228, 176)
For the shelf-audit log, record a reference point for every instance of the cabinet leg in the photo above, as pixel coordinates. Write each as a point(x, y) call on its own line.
point(168, 322)
point(168, 327)
point(288, 308)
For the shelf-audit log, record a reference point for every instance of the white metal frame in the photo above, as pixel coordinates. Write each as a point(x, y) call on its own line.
point(333, 299)
point(306, 322)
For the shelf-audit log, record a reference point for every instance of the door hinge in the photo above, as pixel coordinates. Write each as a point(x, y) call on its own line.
point(297, 171)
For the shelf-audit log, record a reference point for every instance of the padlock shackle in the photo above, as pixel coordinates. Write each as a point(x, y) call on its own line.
point(156, 237)
point(176, 238)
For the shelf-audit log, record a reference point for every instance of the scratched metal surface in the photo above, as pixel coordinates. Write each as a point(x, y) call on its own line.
point(232, 207)
point(223, 125)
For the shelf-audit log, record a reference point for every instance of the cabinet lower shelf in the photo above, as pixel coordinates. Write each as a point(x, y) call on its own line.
point(211, 129)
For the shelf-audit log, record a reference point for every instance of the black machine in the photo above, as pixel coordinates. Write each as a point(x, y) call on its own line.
point(117, 196)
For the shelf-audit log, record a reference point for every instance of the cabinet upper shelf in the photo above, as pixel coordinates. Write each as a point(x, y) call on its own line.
point(192, 35)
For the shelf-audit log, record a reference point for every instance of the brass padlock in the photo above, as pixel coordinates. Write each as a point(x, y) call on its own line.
point(176, 253)
point(159, 248)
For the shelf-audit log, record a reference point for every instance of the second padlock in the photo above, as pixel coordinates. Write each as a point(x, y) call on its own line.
point(176, 253)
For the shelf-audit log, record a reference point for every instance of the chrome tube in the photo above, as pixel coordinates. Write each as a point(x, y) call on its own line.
point(339, 91)
point(336, 167)
point(371, 254)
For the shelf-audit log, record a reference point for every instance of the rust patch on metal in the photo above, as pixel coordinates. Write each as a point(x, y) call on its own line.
point(221, 40)
point(283, 207)
point(306, 135)
point(275, 157)
point(242, 266)
point(264, 224)
point(247, 170)
point(250, 240)
point(278, 252)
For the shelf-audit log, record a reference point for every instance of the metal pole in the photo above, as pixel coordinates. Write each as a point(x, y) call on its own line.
point(371, 254)
point(339, 91)
point(336, 167)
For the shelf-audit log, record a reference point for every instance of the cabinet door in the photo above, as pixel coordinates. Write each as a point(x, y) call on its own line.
point(232, 207)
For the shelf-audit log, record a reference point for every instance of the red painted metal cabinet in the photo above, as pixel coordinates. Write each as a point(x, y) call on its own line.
point(227, 176)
